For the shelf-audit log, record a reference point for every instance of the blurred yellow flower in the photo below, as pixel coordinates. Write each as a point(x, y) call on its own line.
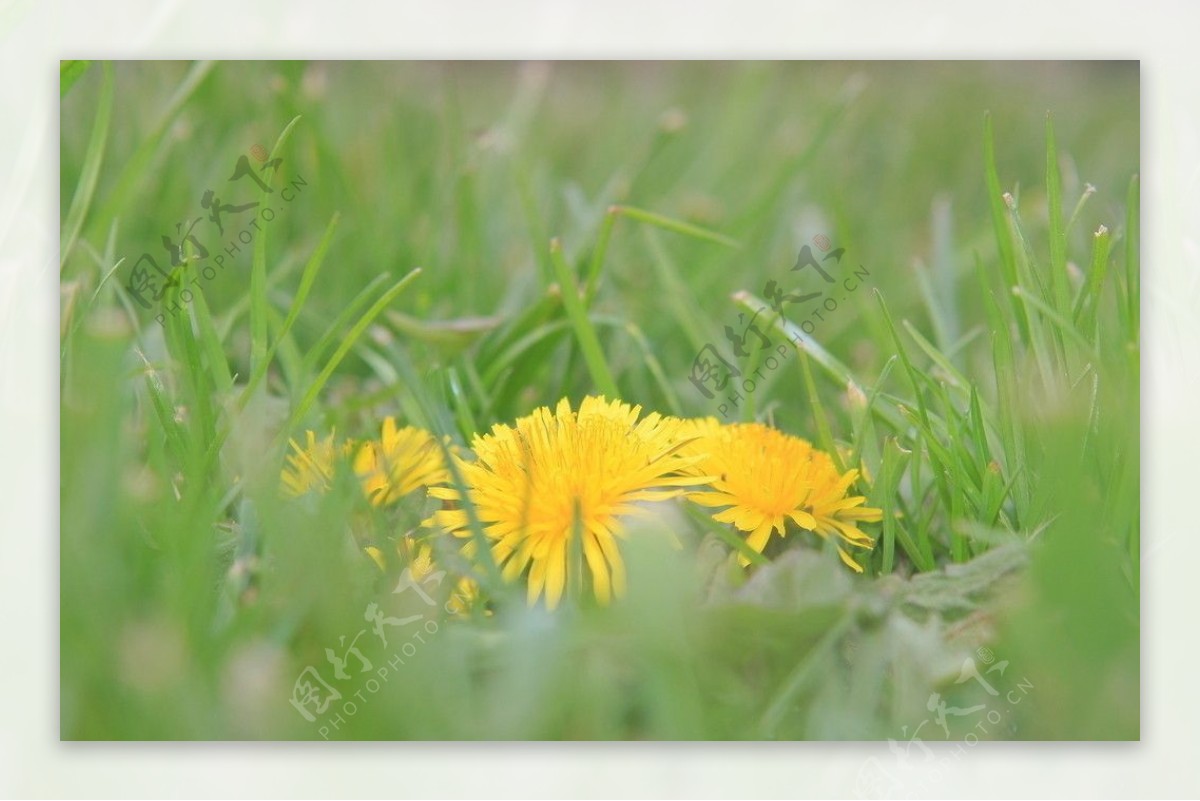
point(400, 461)
point(418, 557)
point(764, 477)
point(535, 483)
point(377, 556)
point(462, 598)
point(310, 467)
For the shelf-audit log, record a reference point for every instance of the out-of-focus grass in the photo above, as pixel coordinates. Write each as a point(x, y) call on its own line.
point(984, 371)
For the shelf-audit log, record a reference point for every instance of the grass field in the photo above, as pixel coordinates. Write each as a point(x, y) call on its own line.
point(455, 245)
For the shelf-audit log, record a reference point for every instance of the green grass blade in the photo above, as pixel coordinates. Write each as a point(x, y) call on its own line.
point(214, 353)
point(1004, 243)
point(655, 367)
point(546, 308)
point(1058, 236)
point(138, 165)
point(826, 361)
point(335, 328)
point(679, 298)
point(497, 366)
point(1088, 191)
point(598, 254)
point(1089, 295)
point(883, 495)
point(352, 336)
point(535, 224)
point(863, 426)
point(1132, 275)
point(979, 429)
point(952, 373)
point(1061, 324)
point(824, 432)
point(462, 406)
point(197, 381)
point(585, 333)
point(676, 226)
point(258, 275)
point(904, 361)
point(307, 278)
point(163, 409)
point(88, 176)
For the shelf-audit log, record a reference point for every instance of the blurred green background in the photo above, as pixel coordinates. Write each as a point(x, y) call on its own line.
point(1004, 444)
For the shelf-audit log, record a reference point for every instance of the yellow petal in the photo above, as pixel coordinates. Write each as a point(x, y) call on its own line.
point(853, 565)
point(376, 555)
point(599, 568)
point(556, 564)
point(804, 519)
point(758, 538)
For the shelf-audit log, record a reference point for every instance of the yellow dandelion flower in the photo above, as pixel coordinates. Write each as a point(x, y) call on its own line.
point(311, 467)
point(764, 477)
point(535, 483)
point(400, 461)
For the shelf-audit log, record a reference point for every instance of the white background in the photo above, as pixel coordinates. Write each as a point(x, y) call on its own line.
point(35, 35)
